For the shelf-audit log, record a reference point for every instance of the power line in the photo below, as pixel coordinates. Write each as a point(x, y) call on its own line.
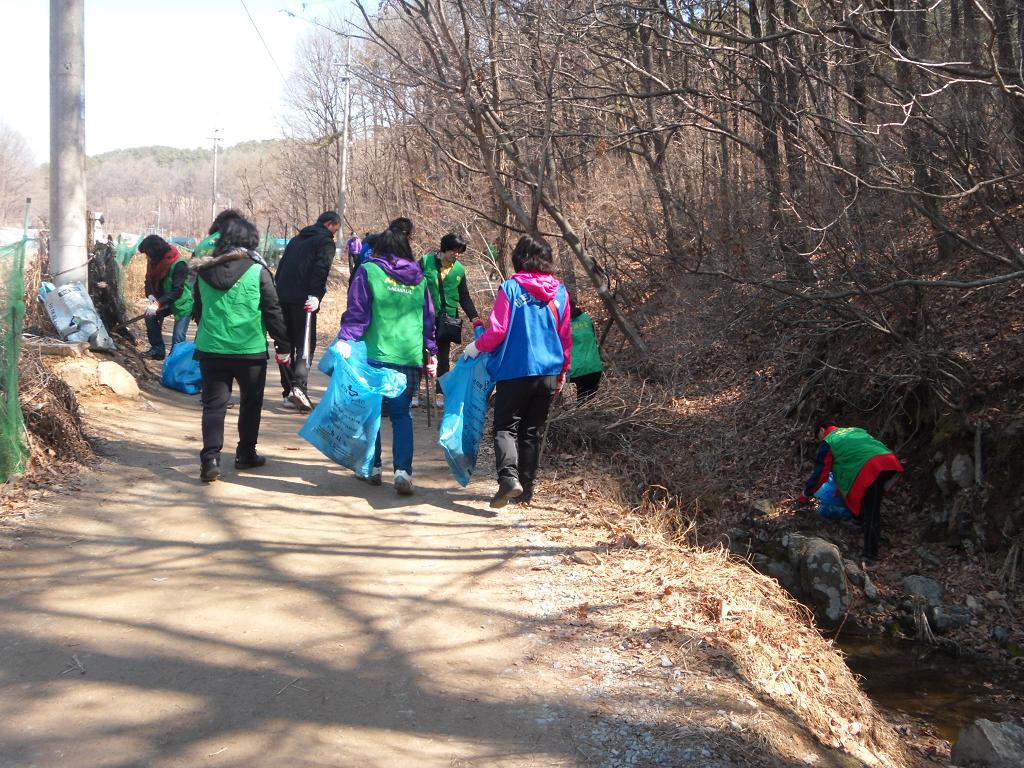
point(265, 46)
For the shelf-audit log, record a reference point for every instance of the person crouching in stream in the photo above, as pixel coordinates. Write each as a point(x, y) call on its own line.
point(235, 307)
point(864, 471)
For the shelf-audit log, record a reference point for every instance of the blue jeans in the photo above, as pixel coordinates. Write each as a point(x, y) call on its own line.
point(400, 413)
point(155, 332)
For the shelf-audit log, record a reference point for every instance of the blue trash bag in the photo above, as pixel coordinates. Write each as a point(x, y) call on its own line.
point(180, 370)
point(345, 423)
point(830, 502)
point(466, 389)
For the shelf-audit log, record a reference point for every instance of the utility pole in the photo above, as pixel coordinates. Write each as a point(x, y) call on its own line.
point(216, 149)
point(343, 154)
point(68, 248)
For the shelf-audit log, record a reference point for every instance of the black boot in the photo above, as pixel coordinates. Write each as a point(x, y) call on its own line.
point(508, 489)
point(250, 462)
point(526, 496)
point(210, 470)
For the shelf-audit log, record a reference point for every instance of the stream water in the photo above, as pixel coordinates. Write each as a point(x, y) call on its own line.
point(948, 693)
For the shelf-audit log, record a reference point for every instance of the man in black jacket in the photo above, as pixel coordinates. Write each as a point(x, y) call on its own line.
point(301, 285)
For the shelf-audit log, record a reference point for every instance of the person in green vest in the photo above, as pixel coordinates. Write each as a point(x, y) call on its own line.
point(390, 309)
point(586, 356)
point(235, 308)
point(168, 293)
point(446, 279)
point(204, 249)
point(864, 471)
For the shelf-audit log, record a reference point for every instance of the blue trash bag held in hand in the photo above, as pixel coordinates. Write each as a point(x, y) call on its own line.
point(180, 370)
point(830, 502)
point(345, 423)
point(466, 388)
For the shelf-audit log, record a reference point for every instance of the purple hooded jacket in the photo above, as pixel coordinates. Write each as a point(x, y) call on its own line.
point(358, 313)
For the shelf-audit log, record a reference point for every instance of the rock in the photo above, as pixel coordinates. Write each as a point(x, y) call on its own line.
point(782, 573)
point(80, 375)
point(928, 556)
point(762, 508)
point(946, 618)
point(117, 379)
point(1014, 429)
point(870, 590)
point(973, 604)
point(821, 577)
point(962, 471)
point(853, 572)
point(943, 479)
point(586, 558)
point(989, 745)
point(1001, 635)
point(666, 661)
point(927, 589)
point(938, 457)
point(737, 541)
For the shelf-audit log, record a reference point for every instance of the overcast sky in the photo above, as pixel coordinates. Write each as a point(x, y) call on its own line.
point(157, 71)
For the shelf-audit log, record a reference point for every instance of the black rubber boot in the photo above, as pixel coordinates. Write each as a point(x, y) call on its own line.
point(249, 462)
point(508, 489)
point(210, 470)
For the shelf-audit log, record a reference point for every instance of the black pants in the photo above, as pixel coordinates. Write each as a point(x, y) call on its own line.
point(218, 375)
point(586, 385)
point(444, 363)
point(871, 513)
point(520, 410)
point(295, 322)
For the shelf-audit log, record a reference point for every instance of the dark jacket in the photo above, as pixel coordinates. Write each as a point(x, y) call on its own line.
point(222, 272)
point(305, 265)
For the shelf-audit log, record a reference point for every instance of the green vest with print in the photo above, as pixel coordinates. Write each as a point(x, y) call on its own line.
point(231, 322)
point(586, 358)
point(431, 265)
point(395, 333)
point(206, 246)
point(852, 448)
point(183, 304)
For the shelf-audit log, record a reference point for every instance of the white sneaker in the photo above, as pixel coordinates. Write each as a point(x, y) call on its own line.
point(301, 401)
point(403, 483)
point(288, 405)
point(416, 401)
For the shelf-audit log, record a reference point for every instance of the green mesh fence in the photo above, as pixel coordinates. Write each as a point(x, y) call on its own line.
point(126, 249)
point(12, 315)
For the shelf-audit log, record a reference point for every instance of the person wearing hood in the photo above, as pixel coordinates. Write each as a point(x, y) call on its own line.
point(301, 285)
point(235, 307)
point(389, 308)
point(168, 293)
point(529, 339)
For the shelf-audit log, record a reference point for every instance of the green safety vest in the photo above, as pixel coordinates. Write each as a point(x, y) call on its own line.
point(586, 358)
point(231, 323)
point(206, 246)
point(182, 306)
point(395, 333)
point(431, 265)
point(852, 448)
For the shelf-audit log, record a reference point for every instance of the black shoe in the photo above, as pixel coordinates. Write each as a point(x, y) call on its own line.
point(526, 496)
point(374, 478)
point(508, 489)
point(152, 354)
point(250, 462)
point(210, 470)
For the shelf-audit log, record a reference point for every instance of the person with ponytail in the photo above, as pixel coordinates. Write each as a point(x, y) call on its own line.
point(390, 309)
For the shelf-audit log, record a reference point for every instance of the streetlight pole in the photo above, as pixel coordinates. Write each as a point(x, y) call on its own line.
point(343, 155)
point(216, 149)
point(68, 249)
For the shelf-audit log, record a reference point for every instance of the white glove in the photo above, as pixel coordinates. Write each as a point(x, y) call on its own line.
point(343, 348)
point(283, 358)
point(151, 310)
point(470, 351)
point(312, 303)
point(151, 299)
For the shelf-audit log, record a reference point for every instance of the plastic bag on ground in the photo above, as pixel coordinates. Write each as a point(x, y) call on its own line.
point(830, 502)
point(72, 313)
point(466, 389)
point(345, 423)
point(180, 370)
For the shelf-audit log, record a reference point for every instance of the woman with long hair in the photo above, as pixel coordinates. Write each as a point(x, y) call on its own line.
point(530, 341)
point(389, 308)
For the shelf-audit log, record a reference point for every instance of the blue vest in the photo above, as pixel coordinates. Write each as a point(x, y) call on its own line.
point(532, 346)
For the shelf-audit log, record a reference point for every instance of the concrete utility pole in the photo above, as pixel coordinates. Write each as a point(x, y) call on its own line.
point(68, 248)
point(346, 102)
point(216, 149)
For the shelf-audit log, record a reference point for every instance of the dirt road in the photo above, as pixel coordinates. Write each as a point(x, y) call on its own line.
point(288, 616)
